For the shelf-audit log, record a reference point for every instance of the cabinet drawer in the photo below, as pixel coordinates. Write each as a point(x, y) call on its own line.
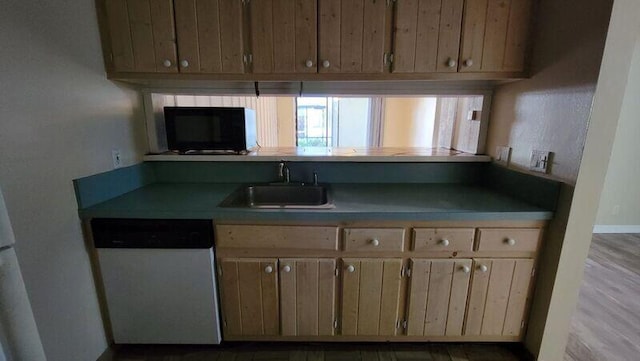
point(443, 239)
point(374, 239)
point(508, 239)
point(277, 237)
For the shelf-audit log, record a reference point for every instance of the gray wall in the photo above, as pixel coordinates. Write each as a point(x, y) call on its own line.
point(59, 120)
point(620, 200)
point(551, 112)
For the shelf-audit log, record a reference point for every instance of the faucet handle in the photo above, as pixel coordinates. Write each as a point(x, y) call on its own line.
point(315, 178)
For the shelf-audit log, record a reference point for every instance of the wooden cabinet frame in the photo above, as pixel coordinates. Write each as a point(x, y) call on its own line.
point(406, 295)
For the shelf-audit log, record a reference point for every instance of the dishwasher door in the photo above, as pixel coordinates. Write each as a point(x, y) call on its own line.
point(161, 296)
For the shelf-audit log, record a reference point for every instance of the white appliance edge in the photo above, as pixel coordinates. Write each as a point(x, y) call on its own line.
point(19, 338)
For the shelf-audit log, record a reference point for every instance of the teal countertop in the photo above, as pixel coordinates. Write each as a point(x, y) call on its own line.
point(410, 202)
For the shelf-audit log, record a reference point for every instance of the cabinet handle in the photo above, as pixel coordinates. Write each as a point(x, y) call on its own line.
point(511, 242)
point(468, 63)
point(451, 63)
point(184, 64)
point(167, 63)
point(351, 269)
point(444, 242)
point(308, 63)
point(375, 242)
point(326, 64)
point(268, 269)
point(483, 268)
point(286, 268)
point(466, 269)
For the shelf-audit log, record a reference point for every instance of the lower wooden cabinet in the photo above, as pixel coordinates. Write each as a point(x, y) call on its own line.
point(370, 296)
point(273, 288)
point(249, 290)
point(498, 297)
point(437, 296)
point(307, 297)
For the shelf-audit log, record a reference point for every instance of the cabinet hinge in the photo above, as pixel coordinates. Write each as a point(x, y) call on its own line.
point(389, 2)
point(220, 270)
point(408, 272)
point(224, 322)
point(387, 59)
point(522, 324)
point(245, 2)
point(247, 58)
point(404, 324)
point(397, 324)
point(533, 272)
point(336, 272)
point(335, 324)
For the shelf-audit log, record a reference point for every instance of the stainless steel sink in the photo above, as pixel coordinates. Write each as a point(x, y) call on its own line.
point(279, 196)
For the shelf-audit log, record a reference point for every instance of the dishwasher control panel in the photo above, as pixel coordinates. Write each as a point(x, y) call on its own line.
point(151, 233)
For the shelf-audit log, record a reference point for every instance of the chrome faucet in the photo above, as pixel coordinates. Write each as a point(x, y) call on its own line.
point(283, 172)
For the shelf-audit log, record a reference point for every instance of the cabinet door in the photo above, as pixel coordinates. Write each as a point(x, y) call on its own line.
point(427, 36)
point(353, 35)
point(307, 297)
point(284, 36)
point(210, 36)
point(370, 296)
point(142, 35)
point(249, 293)
point(495, 35)
point(498, 297)
point(437, 297)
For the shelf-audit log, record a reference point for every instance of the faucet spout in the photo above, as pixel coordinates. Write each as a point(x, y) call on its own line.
point(283, 172)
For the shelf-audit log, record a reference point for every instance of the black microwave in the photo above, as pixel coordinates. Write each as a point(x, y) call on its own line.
point(202, 129)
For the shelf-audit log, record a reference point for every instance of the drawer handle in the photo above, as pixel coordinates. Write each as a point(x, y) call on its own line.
point(466, 269)
point(511, 242)
point(375, 242)
point(286, 268)
point(351, 269)
point(444, 242)
point(268, 269)
point(483, 268)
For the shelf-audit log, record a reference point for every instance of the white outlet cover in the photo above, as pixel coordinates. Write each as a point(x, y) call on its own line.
point(540, 161)
point(116, 157)
point(503, 156)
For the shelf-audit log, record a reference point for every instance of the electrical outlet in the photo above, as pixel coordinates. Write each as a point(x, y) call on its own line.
point(503, 155)
point(117, 160)
point(540, 161)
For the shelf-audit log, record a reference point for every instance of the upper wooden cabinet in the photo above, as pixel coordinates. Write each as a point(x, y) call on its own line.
point(283, 36)
point(210, 35)
point(495, 35)
point(316, 39)
point(353, 36)
point(427, 36)
point(141, 35)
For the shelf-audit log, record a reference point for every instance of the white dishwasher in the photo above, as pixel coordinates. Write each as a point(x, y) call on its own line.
point(159, 280)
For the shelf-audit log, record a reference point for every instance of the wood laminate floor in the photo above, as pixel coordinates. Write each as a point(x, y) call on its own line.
point(606, 324)
point(319, 352)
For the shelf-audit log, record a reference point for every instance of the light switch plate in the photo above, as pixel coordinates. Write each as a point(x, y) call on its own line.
point(540, 161)
point(503, 156)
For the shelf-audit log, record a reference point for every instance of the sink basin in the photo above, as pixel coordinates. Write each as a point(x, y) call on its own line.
point(279, 196)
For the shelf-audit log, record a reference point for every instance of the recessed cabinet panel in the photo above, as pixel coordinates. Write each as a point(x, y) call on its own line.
point(495, 35)
point(307, 297)
point(284, 36)
point(210, 36)
point(352, 36)
point(427, 36)
point(437, 297)
point(498, 297)
point(142, 35)
point(249, 293)
point(370, 296)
